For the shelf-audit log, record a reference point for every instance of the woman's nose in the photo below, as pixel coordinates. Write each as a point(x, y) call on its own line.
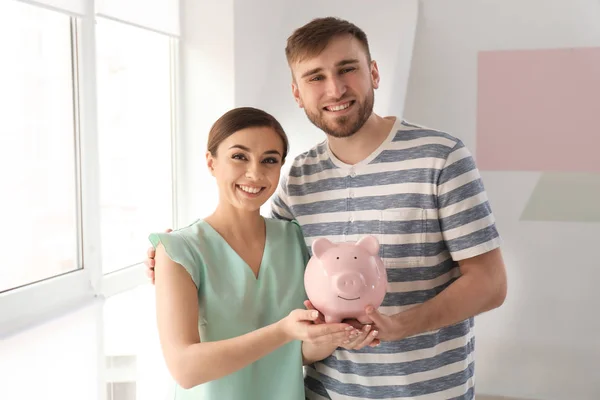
point(254, 171)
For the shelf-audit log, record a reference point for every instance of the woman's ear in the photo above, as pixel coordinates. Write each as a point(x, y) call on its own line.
point(210, 162)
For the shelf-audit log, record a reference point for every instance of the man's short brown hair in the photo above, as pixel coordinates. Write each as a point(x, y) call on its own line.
point(311, 39)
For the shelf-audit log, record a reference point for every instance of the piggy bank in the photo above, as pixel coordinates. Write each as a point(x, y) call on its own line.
point(341, 279)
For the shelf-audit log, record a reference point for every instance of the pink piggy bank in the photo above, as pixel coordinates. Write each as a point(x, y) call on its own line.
point(341, 279)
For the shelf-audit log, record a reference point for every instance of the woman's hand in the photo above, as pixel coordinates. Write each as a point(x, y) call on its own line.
point(357, 338)
point(302, 325)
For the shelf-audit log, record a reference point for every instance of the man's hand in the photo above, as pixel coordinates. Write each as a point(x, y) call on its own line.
point(388, 326)
point(481, 287)
point(149, 261)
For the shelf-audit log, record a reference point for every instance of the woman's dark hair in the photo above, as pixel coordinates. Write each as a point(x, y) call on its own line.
point(241, 118)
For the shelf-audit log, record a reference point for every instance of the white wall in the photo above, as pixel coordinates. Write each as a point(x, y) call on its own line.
point(56, 360)
point(262, 75)
point(544, 343)
point(207, 91)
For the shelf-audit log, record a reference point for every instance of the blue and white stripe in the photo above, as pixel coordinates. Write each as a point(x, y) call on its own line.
point(421, 194)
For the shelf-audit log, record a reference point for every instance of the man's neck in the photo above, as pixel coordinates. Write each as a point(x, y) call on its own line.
point(353, 149)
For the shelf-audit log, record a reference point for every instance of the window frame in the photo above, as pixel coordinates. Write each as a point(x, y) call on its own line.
point(32, 304)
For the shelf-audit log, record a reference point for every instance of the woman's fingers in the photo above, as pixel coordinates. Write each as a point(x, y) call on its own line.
point(365, 338)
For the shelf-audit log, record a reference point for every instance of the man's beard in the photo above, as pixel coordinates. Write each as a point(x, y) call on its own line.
point(347, 125)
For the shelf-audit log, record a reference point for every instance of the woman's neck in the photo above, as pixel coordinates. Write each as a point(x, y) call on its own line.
point(236, 224)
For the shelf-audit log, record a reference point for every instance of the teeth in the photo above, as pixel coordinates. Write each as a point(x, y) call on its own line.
point(339, 108)
point(249, 189)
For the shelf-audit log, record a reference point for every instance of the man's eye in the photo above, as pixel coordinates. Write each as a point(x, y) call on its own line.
point(316, 78)
point(345, 70)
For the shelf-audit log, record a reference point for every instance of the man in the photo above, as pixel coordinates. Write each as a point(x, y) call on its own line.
point(419, 192)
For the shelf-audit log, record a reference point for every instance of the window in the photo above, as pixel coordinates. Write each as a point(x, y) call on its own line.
point(134, 138)
point(88, 106)
point(37, 146)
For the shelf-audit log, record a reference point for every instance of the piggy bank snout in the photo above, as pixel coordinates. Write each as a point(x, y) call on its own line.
point(349, 284)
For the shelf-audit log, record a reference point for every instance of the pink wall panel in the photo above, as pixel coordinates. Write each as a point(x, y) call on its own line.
point(539, 110)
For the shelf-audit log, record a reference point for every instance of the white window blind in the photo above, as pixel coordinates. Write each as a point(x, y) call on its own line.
point(74, 7)
point(158, 15)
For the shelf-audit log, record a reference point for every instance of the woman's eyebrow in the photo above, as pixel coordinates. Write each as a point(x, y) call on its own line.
point(241, 147)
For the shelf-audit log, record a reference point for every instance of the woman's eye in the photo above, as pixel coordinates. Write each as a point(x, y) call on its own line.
point(238, 157)
point(270, 160)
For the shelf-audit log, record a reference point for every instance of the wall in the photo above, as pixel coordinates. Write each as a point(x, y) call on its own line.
point(262, 76)
point(206, 92)
point(543, 343)
point(56, 360)
point(261, 72)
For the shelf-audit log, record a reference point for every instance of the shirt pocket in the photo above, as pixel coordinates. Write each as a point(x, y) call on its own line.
point(403, 236)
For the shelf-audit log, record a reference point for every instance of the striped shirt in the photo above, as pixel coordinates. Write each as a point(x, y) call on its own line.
point(421, 195)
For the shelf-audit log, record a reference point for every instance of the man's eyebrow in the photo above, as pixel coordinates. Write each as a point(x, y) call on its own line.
point(241, 147)
point(311, 72)
point(346, 62)
point(339, 64)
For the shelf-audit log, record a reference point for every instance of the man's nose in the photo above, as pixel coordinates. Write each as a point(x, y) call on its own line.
point(336, 88)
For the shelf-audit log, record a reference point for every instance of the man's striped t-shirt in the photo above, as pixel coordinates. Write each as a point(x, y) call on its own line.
point(421, 195)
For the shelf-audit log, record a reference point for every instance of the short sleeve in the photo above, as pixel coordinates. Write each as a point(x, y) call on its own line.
point(279, 203)
point(301, 241)
point(178, 250)
point(466, 219)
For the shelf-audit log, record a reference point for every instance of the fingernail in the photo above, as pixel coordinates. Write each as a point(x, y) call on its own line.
point(315, 314)
point(349, 328)
point(367, 328)
point(369, 309)
point(374, 333)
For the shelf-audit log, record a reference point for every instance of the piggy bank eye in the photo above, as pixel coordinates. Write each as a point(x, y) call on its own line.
point(355, 258)
point(338, 258)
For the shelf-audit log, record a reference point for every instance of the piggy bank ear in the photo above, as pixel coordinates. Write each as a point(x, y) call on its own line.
point(370, 244)
point(320, 246)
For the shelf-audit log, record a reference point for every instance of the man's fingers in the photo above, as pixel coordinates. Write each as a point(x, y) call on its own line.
point(149, 263)
point(151, 252)
point(374, 315)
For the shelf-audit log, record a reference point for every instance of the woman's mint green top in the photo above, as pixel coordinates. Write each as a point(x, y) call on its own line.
point(233, 302)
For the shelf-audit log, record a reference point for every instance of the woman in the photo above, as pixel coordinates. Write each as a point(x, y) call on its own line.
point(229, 287)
